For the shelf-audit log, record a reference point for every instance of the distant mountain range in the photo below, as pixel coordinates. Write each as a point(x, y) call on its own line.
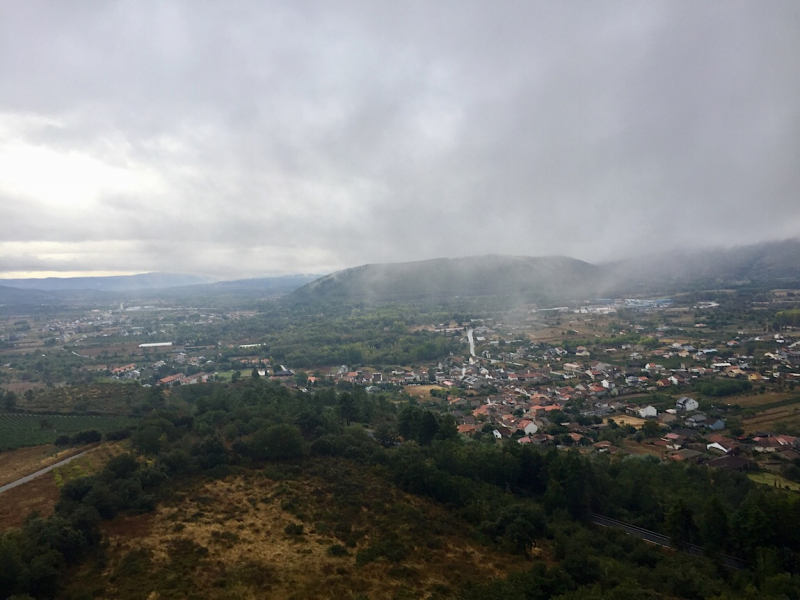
point(115, 283)
point(559, 277)
point(142, 287)
point(554, 278)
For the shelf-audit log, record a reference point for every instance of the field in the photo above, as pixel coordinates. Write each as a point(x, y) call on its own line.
point(774, 480)
point(637, 448)
point(754, 400)
point(41, 494)
point(627, 420)
point(17, 463)
point(332, 530)
point(106, 398)
point(767, 420)
point(18, 430)
point(423, 392)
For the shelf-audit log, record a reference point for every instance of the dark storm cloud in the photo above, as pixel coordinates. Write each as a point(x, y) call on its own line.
point(272, 137)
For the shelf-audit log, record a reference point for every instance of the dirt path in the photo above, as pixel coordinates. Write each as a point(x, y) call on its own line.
point(24, 461)
point(41, 472)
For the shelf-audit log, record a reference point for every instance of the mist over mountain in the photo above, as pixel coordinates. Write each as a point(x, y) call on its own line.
point(282, 284)
point(226, 292)
point(536, 279)
point(442, 278)
point(772, 263)
point(557, 277)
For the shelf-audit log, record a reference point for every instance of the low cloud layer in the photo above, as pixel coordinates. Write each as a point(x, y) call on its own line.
point(252, 138)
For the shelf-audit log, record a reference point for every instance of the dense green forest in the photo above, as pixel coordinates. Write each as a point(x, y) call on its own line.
point(518, 498)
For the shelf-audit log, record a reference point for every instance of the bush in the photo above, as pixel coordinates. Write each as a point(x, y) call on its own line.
point(122, 466)
point(293, 529)
point(337, 550)
point(89, 436)
point(389, 548)
point(118, 435)
point(279, 442)
point(328, 445)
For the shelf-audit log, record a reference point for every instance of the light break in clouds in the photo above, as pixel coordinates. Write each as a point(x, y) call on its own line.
point(244, 138)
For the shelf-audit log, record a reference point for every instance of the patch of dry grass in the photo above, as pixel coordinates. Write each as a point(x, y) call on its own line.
point(423, 392)
point(333, 531)
point(754, 400)
point(627, 420)
point(774, 480)
point(41, 494)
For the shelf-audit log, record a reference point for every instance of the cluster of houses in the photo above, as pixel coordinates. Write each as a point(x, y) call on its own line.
point(723, 452)
point(691, 436)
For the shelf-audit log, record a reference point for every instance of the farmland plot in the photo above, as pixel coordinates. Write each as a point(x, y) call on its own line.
point(18, 430)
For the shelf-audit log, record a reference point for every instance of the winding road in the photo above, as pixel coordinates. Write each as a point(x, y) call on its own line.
point(33, 476)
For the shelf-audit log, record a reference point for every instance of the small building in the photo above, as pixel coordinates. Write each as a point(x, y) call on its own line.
point(171, 379)
point(686, 404)
point(686, 455)
point(647, 412)
point(698, 420)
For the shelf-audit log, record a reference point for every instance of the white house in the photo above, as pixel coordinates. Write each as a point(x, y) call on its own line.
point(647, 412)
point(528, 426)
point(686, 404)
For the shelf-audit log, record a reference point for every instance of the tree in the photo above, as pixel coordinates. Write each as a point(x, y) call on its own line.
point(11, 565)
point(679, 523)
point(651, 429)
point(419, 425)
point(9, 401)
point(517, 527)
point(279, 442)
point(147, 440)
point(448, 430)
point(714, 525)
point(347, 407)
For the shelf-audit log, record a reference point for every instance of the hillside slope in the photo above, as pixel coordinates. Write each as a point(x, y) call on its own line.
point(774, 264)
point(522, 276)
point(333, 531)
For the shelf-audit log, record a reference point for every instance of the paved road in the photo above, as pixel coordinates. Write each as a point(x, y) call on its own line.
point(33, 476)
point(471, 342)
point(661, 540)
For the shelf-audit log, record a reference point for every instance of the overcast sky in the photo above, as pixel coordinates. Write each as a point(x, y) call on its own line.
point(240, 138)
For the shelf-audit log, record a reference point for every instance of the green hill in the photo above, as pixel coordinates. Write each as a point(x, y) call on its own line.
point(529, 278)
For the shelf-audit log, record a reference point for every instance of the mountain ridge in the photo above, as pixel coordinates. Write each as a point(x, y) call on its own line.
point(488, 275)
point(558, 277)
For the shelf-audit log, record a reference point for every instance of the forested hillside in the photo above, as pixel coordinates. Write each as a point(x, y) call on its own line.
point(529, 278)
point(314, 462)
